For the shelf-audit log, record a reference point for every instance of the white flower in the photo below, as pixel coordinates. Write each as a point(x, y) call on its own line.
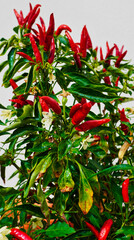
point(47, 119)
point(6, 114)
point(36, 222)
point(84, 143)
point(4, 231)
point(99, 68)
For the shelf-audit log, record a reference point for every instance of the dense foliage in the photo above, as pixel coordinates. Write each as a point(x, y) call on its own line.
point(67, 134)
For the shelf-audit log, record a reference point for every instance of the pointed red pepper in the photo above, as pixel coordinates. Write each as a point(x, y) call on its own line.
point(41, 35)
point(107, 78)
point(123, 118)
point(117, 81)
point(91, 124)
point(49, 33)
point(81, 113)
point(93, 229)
point(101, 54)
point(35, 49)
point(105, 229)
point(61, 28)
point(83, 42)
point(52, 51)
point(13, 83)
point(48, 102)
point(74, 48)
point(119, 59)
point(33, 15)
point(19, 235)
point(24, 55)
point(125, 195)
point(43, 26)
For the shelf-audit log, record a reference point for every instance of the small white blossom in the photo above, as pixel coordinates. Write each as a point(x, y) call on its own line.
point(99, 68)
point(6, 114)
point(84, 143)
point(3, 232)
point(47, 119)
point(36, 222)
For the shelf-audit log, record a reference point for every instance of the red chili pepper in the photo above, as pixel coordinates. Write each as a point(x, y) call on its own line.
point(48, 102)
point(74, 109)
point(96, 49)
point(61, 28)
point(91, 124)
point(35, 49)
point(52, 51)
point(125, 195)
point(20, 235)
point(81, 113)
point(19, 18)
point(89, 42)
point(74, 48)
point(118, 52)
point(123, 118)
point(13, 84)
point(105, 229)
point(107, 78)
point(41, 35)
point(93, 229)
point(109, 53)
point(117, 81)
point(24, 55)
point(33, 15)
point(101, 54)
point(49, 33)
point(119, 59)
point(43, 26)
point(83, 42)
point(20, 101)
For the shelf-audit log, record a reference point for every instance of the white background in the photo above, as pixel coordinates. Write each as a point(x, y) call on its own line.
point(106, 20)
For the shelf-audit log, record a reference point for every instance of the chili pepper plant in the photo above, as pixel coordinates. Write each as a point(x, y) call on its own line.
point(67, 133)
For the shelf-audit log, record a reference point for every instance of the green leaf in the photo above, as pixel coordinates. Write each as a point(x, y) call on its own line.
point(42, 147)
point(109, 170)
point(11, 57)
point(3, 65)
point(2, 203)
point(65, 181)
point(126, 230)
point(85, 193)
point(1, 123)
point(60, 200)
point(2, 107)
point(60, 77)
point(30, 209)
point(91, 94)
point(8, 191)
point(117, 72)
point(20, 89)
point(97, 151)
point(63, 148)
point(29, 80)
point(78, 234)
point(117, 192)
point(59, 229)
point(41, 167)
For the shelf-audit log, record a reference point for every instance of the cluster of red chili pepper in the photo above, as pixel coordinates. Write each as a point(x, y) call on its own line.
point(80, 49)
point(20, 100)
point(29, 20)
point(79, 112)
point(123, 118)
point(43, 37)
point(48, 102)
point(119, 53)
point(104, 231)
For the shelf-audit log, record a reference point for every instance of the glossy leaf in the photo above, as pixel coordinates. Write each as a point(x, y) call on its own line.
point(65, 181)
point(85, 194)
point(59, 229)
point(11, 57)
point(60, 200)
point(29, 80)
point(63, 148)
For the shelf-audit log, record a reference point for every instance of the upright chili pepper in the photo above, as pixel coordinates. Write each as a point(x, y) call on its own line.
point(101, 54)
point(19, 235)
point(106, 78)
point(43, 26)
point(117, 81)
point(83, 42)
point(35, 49)
point(33, 15)
point(125, 195)
point(93, 229)
point(91, 124)
point(48, 102)
point(118, 52)
point(105, 229)
point(61, 28)
point(52, 51)
point(123, 118)
point(74, 48)
point(119, 59)
point(49, 33)
point(41, 35)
